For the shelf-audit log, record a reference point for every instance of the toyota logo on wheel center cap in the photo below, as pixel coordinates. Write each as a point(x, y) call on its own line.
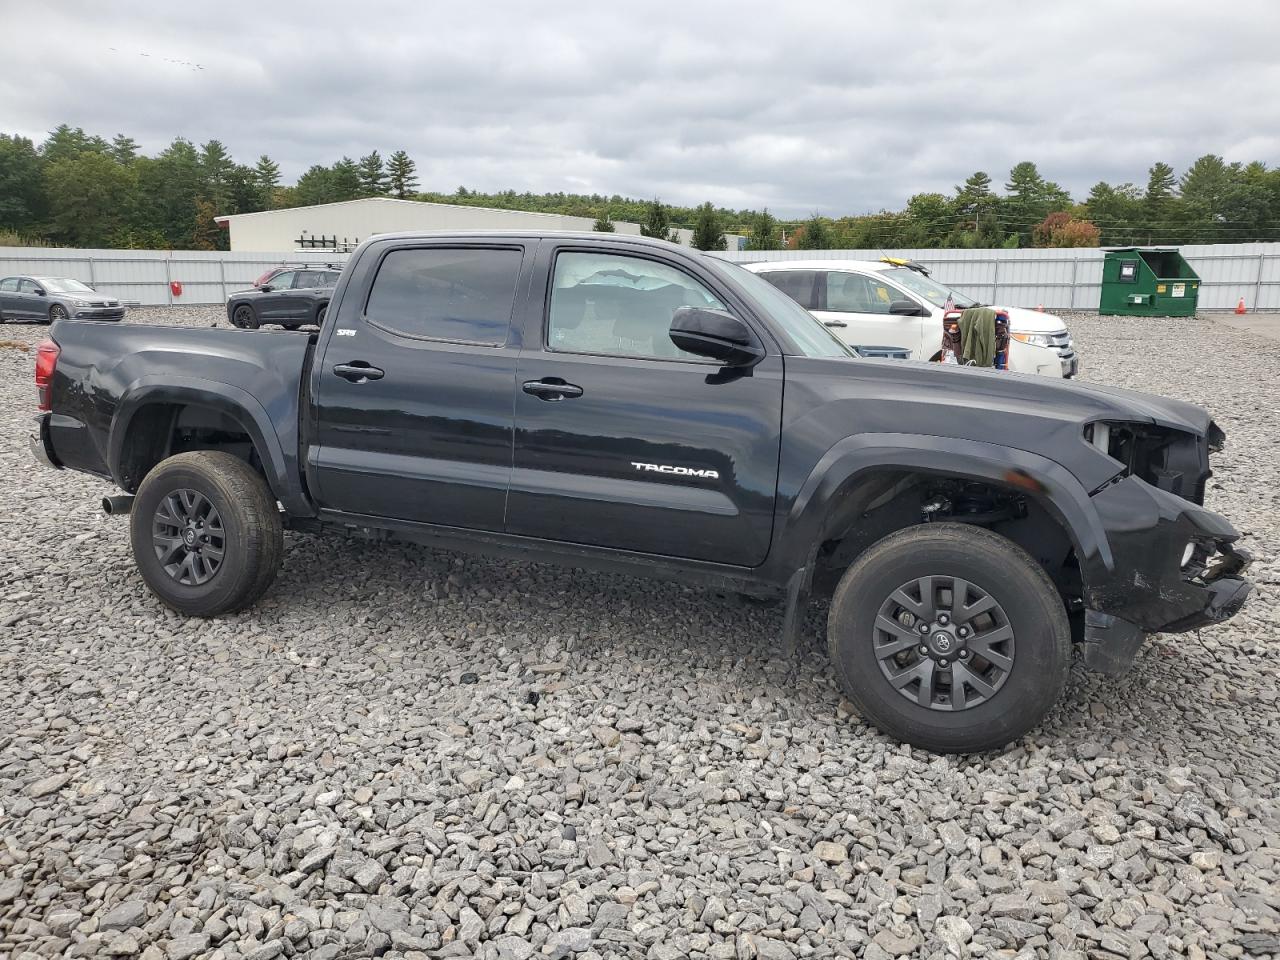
point(942, 641)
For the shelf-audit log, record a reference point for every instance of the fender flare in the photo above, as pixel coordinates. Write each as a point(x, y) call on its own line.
point(854, 458)
point(231, 400)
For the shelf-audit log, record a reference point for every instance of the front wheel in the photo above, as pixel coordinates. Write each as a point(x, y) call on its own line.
point(206, 533)
point(57, 312)
point(245, 317)
point(949, 637)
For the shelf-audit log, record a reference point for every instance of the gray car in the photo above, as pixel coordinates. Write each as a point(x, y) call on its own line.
point(54, 298)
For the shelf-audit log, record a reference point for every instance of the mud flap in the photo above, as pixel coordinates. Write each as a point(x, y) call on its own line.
point(798, 588)
point(1110, 644)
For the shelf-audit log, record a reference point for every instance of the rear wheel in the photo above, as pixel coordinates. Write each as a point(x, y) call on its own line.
point(57, 312)
point(320, 315)
point(950, 638)
point(206, 533)
point(245, 317)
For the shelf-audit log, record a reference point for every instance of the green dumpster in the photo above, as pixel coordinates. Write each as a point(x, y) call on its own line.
point(1147, 282)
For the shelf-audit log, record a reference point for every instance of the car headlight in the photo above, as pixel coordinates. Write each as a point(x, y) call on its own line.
point(1034, 339)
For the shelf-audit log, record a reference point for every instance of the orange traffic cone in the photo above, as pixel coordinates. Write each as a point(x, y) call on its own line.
point(1240, 306)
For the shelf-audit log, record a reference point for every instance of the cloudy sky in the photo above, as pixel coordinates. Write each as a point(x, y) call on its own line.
point(839, 107)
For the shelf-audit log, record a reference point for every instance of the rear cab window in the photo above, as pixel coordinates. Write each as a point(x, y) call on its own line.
point(796, 284)
point(450, 294)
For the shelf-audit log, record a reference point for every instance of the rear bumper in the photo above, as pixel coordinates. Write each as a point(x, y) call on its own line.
point(38, 443)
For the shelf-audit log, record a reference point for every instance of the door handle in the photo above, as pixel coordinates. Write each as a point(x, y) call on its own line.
point(552, 388)
point(835, 323)
point(357, 371)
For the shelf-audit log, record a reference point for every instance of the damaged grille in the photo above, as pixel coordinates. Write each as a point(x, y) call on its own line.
point(1171, 460)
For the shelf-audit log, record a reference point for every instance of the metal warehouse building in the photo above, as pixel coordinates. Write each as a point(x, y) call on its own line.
point(340, 226)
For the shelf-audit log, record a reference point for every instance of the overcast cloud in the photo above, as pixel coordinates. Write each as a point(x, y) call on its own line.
point(838, 107)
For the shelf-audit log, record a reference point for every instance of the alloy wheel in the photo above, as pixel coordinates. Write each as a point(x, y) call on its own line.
point(944, 643)
point(188, 537)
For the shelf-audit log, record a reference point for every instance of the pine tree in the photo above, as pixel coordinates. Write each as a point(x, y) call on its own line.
point(764, 232)
point(373, 178)
point(215, 171)
point(604, 223)
point(345, 180)
point(124, 149)
point(657, 222)
point(266, 174)
point(707, 232)
point(403, 178)
point(815, 235)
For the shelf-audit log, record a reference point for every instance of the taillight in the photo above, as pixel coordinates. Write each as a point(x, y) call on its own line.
point(46, 361)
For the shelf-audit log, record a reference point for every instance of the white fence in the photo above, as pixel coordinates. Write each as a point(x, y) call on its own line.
point(1055, 279)
point(145, 276)
point(1066, 279)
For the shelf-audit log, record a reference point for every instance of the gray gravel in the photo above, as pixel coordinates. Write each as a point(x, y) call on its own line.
point(631, 773)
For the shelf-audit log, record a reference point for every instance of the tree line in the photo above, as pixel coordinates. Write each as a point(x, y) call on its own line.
point(79, 189)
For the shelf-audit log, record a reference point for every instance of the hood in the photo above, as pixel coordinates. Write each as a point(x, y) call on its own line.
point(1041, 415)
point(1022, 320)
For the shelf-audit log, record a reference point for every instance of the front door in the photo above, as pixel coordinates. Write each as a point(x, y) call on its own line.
point(29, 302)
point(413, 414)
point(272, 305)
point(625, 441)
point(861, 303)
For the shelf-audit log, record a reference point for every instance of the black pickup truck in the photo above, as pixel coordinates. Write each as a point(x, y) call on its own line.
point(627, 404)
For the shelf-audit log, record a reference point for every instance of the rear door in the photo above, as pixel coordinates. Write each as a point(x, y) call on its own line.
point(623, 440)
point(296, 303)
point(9, 297)
point(861, 302)
point(412, 411)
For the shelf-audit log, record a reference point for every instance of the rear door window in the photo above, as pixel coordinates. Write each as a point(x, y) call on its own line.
point(796, 284)
point(309, 278)
point(460, 295)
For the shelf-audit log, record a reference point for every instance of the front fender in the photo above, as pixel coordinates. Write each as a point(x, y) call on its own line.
point(226, 398)
point(840, 473)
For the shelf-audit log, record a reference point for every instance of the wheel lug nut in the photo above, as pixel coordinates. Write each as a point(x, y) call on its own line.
point(944, 619)
point(924, 649)
point(923, 628)
point(943, 661)
point(963, 631)
point(964, 654)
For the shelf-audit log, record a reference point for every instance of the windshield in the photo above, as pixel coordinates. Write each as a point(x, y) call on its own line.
point(61, 285)
point(936, 293)
point(807, 332)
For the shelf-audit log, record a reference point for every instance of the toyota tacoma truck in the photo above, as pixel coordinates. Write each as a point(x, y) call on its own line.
point(626, 404)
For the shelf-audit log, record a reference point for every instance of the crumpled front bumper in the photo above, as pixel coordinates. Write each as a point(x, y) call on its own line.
point(1148, 588)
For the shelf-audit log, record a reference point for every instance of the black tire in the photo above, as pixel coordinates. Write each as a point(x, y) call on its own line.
point(245, 317)
point(249, 526)
point(57, 312)
point(1026, 606)
point(290, 326)
point(320, 315)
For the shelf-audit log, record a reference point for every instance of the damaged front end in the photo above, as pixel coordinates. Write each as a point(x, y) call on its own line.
point(1174, 565)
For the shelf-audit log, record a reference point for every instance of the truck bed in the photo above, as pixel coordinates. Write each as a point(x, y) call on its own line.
point(106, 372)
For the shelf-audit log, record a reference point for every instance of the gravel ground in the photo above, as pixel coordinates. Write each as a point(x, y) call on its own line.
point(412, 753)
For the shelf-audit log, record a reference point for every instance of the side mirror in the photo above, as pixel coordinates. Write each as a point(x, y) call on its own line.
point(906, 308)
point(266, 288)
point(715, 334)
point(39, 291)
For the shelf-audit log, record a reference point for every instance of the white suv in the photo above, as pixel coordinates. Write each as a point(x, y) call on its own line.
point(883, 304)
